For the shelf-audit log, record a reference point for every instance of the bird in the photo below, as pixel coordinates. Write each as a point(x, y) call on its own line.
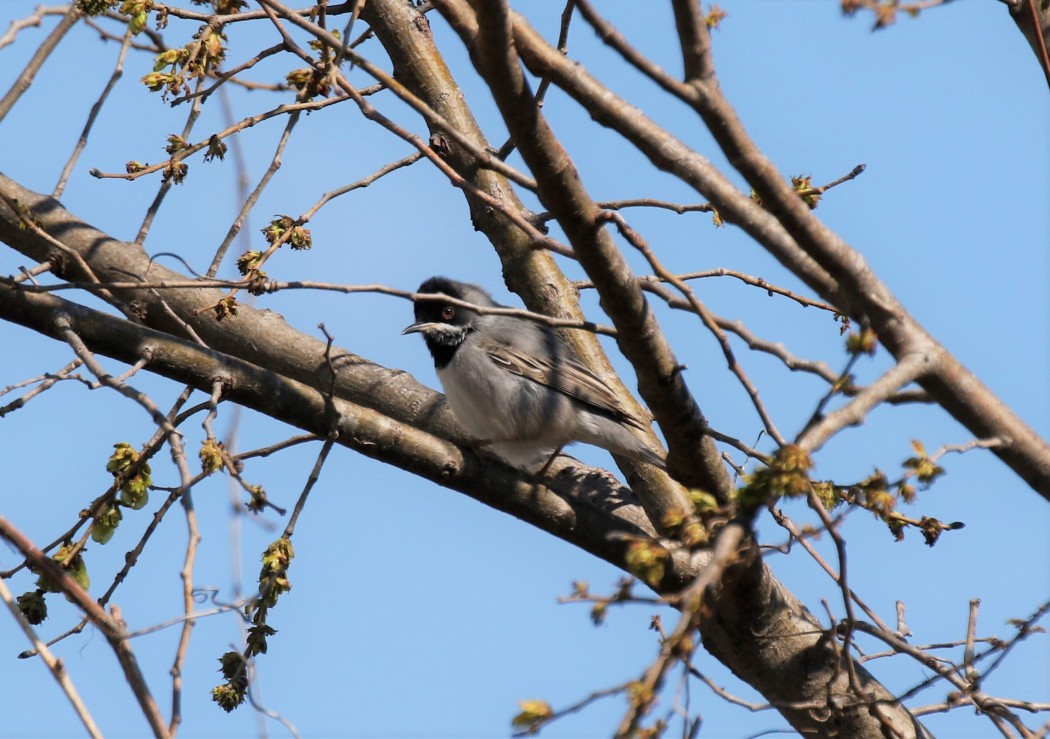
point(515, 386)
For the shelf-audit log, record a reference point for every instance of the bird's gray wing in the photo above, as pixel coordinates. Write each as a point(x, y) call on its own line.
point(570, 378)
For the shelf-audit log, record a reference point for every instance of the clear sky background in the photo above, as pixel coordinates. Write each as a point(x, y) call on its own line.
point(418, 612)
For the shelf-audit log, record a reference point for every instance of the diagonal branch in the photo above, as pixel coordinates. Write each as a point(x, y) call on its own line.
point(672, 155)
point(54, 665)
point(693, 455)
point(69, 18)
point(786, 227)
point(909, 369)
point(110, 627)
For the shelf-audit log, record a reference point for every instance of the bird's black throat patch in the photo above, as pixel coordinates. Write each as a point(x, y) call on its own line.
point(444, 344)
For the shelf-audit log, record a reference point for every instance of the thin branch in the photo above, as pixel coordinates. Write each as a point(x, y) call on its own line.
point(758, 282)
point(655, 286)
point(485, 158)
point(691, 601)
point(193, 539)
point(228, 75)
point(55, 666)
point(908, 369)
point(110, 628)
point(31, 21)
point(244, 123)
point(635, 239)
point(363, 182)
point(266, 451)
point(842, 581)
point(25, 79)
point(64, 326)
point(538, 723)
point(333, 433)
point(236, 607)
point(681, 208)
point(797, 535)
point(46, 382)
point(176, 161)
point(249, 203)
point(727, 696)
point(118, 72)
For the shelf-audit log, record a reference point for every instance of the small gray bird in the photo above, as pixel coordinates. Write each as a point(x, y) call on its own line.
point(514, 385)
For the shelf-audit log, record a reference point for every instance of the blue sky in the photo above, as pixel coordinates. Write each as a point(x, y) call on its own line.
point(418, 612)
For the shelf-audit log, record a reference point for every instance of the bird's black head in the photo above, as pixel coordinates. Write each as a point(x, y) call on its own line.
point(445, 325)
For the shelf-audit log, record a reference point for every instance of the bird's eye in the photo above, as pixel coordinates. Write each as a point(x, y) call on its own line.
point(447, 312)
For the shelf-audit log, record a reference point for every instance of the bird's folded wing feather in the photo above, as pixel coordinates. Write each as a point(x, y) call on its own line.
point(570, 378)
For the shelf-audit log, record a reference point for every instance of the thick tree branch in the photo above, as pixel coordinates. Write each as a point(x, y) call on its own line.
point(798, 240)
point(693, 455)
point(671, 155)
point(259, 336)
point(584, 506)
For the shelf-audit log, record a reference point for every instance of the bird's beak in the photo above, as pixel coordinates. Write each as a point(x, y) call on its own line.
point(420, 327)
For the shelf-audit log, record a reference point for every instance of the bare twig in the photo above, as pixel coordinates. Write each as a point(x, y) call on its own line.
point(118, 72)
point(322, 456)
point(193, 539)
point(229, 75)
point(25, 79)
point(635, 239)
point(46, 382)
point(537, 724)
point(691, 602)
point(65, 328)
point(110, 628)
point(176, 161)
point(726, 695)
point(57, 668)
point(249, 203)
point(798, 536)
point(907, 370)
point(31, 21)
